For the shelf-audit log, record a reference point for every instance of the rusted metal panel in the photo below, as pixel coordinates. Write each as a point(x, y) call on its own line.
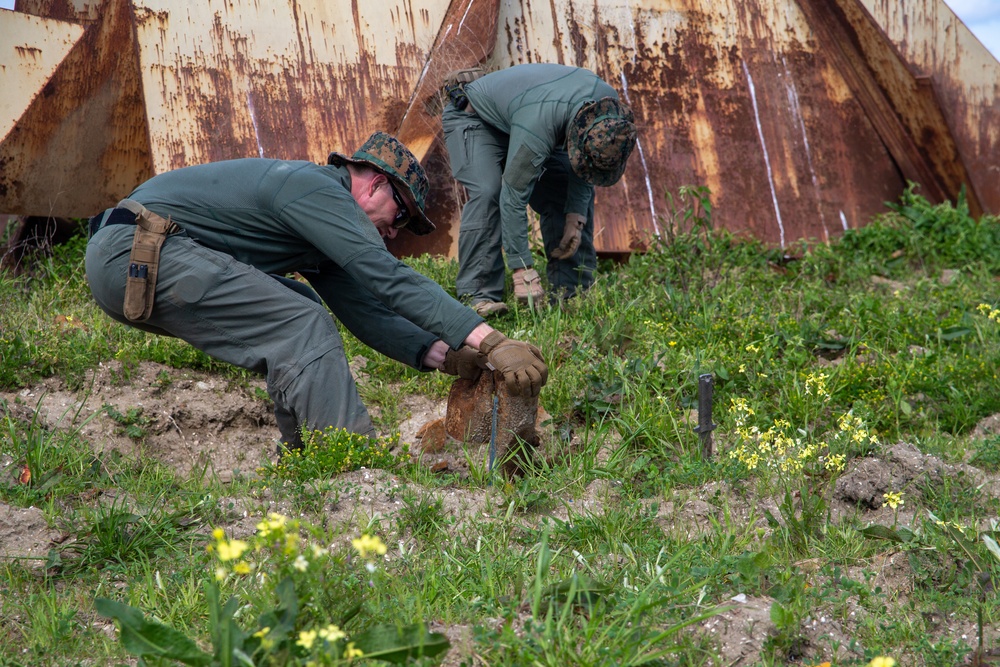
point(902, 107)
point(82, 142)
point(966, 81)
point(79, 11)
point(235, 78)
point(31, 49)
point(743, 96)
point(738, 95)
point(732, 95)
point(466, 38)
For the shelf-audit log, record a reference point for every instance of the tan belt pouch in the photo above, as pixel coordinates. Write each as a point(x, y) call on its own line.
point(144, 262)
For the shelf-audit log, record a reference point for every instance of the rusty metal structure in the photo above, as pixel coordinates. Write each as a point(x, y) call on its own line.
point(802, 116)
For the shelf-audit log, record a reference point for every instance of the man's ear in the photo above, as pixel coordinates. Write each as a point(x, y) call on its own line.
point(378, 180)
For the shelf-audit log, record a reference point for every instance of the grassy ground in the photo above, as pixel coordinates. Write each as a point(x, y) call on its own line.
point(824, 358)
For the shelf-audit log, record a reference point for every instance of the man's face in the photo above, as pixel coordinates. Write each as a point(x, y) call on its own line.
point(386, 209)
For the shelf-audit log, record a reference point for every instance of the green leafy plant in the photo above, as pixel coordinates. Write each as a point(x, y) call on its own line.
point(133, 423)
point(802, 466)
point(278, 571)
point(332, 451)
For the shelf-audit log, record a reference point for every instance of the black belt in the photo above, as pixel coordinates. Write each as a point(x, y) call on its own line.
point(117, 216)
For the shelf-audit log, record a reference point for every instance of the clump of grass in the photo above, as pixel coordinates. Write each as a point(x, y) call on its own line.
point(332, 451)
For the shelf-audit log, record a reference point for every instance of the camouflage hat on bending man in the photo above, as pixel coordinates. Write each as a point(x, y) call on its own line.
point(387, 154)
point(599, 140)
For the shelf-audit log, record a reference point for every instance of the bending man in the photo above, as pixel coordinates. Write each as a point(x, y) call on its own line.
point(230, 227)
point(538, 134)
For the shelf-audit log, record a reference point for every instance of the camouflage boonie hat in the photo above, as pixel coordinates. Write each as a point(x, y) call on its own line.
point(599, 140)
point(387, 154)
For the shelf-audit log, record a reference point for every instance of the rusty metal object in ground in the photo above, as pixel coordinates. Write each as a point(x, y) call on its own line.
point(469, 418)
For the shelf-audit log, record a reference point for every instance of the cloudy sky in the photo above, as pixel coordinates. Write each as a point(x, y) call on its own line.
point(982, 17)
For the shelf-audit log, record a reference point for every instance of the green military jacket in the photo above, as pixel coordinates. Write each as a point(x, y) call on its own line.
point(281, 216)
point(533, 104)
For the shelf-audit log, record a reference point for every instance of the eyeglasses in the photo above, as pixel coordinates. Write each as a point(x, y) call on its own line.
point(403, 214)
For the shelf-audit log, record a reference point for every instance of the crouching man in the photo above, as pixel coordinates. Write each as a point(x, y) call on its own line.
point(194, 253)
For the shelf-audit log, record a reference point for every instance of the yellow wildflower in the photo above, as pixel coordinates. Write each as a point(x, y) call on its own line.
point(835, 462)
point(274, 522)
point(882, 661)
point(266, 642)
point(242, 567)
point(291, 544)
point(351, 652)
point(893, 499)
point(332, 633)
point(367, 544)
point(231, 550)
point(306, 638)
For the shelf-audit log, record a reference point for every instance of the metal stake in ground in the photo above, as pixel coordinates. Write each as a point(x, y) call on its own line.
point(493, 438)
point(705, 425)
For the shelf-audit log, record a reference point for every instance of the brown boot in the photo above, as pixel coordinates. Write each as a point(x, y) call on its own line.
point(487, 309)
point(528, 286)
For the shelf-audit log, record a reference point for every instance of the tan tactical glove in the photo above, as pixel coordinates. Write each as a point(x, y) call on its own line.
point(521, 364)
point(463, 362)
point(571, 236)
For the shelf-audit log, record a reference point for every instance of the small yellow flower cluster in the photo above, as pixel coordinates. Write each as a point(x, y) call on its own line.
point(330, 635)
point(989, 312)
point(228, 550)
point(854, 428)
point(835, 462)
point(274, 523)
point(882, 661)
point(369, 544)
point(655, 325)
point(266, 642)
point(952, 524)
point(774, 448)
point(277, 531)
point(893, 499)
point(816, 385)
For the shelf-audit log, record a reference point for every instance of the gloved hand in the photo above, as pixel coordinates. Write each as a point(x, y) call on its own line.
point(571, 236)
point(463, 362)
point(521, 364)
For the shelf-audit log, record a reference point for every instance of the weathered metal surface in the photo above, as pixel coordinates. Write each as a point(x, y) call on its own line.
point(82, 141)
point(965, 76)
point(466, 38)
point(901, 106)
point(743, 96)
point(738, 95)
point(291, 80)
point(80, 11)
point(31, 48)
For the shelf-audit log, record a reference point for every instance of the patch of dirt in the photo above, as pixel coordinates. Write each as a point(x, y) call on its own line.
point(24, 533)
point(198, 424)
point(903, 467)
point(192, 422)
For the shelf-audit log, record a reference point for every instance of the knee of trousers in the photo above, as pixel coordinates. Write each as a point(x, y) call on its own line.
point(322, 393)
